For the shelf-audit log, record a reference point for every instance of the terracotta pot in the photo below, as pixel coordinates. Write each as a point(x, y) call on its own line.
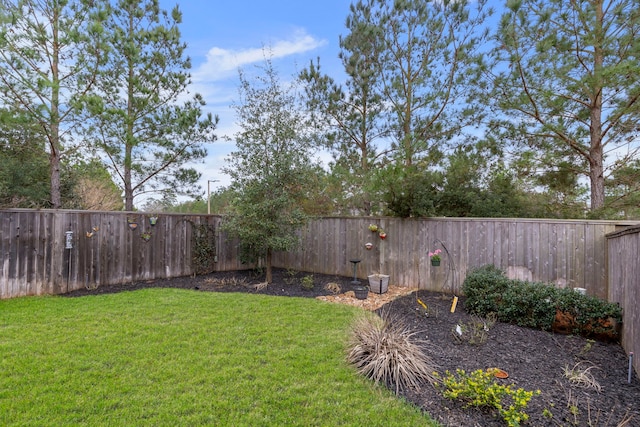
point(603, 329)
point(564, 323)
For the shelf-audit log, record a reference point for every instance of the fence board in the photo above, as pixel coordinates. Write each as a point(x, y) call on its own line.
point(568, 253)
point(623, 271)
point(35, 261)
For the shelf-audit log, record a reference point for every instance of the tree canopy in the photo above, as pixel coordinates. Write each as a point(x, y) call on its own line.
point(271, 168)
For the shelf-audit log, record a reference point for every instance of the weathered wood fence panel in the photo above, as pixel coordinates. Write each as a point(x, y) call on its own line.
point(624, 279)
point(105, 249)
point(564, 252)
point(601, 256)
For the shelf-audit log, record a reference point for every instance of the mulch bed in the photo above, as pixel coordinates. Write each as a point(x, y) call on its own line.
point(534, 360)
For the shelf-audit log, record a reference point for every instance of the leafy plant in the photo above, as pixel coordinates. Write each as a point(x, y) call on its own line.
point(307, 282)
point(534, 305)
point(385, 350)
point(582, 377)
point(481, 390)
point(475, 332)
point(290, 278)
point(203, 247)
point(435, 255)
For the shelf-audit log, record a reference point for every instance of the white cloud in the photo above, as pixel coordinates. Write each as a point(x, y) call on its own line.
point(223, 63)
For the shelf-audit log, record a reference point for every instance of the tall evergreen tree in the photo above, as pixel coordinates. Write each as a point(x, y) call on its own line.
point(349, 118)
point(50, 51)
point(147, 137)
point(424, 54)
point(566, 81)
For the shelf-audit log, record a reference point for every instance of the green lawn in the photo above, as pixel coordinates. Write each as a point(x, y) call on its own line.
point(168, 357)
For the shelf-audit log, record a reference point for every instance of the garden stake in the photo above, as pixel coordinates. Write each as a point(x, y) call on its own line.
point(422, 304)
point(454, 304)
point(630, 366)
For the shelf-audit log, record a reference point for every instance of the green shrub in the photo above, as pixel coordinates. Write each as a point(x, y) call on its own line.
point(534, 305)
point(528, 304)
point(484, 288)
point(591, 314)
point(480, 389)
point(307, 283)
point(384, 349)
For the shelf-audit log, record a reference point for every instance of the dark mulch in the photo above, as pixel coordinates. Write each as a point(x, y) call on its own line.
point(534, 360)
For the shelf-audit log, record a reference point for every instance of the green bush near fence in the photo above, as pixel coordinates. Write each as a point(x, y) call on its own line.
point(536, 304)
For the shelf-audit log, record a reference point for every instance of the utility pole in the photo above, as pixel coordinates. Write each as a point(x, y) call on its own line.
point(209, 181)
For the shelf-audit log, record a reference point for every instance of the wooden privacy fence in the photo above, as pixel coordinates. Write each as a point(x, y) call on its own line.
point(624, 288)
point(56, 251)
point(567, 253)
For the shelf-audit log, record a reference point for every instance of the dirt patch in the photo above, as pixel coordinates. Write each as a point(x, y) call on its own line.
point(534, 360)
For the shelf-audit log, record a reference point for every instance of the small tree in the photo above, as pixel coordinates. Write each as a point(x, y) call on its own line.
point(270, 170)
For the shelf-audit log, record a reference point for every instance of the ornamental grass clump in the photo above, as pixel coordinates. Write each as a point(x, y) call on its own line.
point(385, 350)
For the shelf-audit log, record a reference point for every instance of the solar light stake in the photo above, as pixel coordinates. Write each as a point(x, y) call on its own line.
point(630, 366)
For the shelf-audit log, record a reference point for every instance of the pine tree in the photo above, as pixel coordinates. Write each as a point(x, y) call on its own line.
point(137, 121)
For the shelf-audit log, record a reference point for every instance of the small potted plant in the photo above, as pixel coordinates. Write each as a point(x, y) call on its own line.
point(382, 234)
point(373, 228)
point(435, 257)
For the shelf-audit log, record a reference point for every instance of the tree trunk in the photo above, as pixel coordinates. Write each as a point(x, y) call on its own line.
point(269, 272)
point(596, 177)
point(596, 168)
point(54, 118)
point(54, 176)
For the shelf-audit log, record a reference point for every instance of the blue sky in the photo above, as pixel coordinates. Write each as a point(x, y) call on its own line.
point(225, 36)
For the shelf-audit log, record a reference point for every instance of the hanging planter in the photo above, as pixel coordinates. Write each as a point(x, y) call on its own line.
point(435, 257)
point(368, 246)
point(382, 235)
point(132, 223)
point(373, 228)
point(145, 236)
point(153, 220)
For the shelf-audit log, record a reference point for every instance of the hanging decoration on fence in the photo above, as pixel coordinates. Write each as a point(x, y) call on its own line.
point(153, 220)
point(145, 236)
point(93, 231)
point(368, 246)
point(132, 222)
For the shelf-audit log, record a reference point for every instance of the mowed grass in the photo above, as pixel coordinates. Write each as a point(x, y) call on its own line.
point(169, 357)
